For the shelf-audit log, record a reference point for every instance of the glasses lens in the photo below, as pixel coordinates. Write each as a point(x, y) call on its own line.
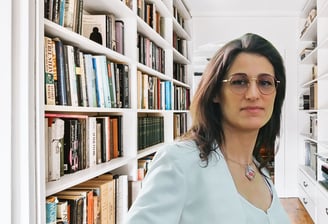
point(239, 83)
point(266, 83)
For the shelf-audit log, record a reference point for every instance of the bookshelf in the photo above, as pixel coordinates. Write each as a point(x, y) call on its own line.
point(175, 20)
point(313, 109)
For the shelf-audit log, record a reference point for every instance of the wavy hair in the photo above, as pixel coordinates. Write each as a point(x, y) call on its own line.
point(206, 129)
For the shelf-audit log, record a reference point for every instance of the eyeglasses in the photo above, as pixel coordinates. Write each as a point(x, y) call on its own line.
point(239, 83)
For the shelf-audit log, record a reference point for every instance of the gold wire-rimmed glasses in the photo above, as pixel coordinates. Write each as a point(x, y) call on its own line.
point(239, 83)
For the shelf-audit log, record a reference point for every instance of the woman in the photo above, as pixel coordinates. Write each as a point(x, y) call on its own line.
point(216, 173)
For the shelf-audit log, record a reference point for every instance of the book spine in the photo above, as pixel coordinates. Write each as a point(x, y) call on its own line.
point(78, 75)
point(126, 87)
point(49, 71)
point(51, 210)
point(72, 75)
point(119, 36)
point(99, 82)
point(111, 83)
point(56, 134)
point(60, 61)
point(90, 80)
point(104, 73)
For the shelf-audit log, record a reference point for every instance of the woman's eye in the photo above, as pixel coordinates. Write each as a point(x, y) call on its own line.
point(265, 82)
point(239, 82)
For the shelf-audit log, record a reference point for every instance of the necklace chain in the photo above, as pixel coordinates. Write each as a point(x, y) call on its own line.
point(241, 164)
point(249, 170)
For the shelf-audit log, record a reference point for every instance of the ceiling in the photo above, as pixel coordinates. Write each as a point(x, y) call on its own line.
point(245, 7)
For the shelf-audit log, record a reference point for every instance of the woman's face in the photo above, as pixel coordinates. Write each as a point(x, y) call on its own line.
point(250, 110)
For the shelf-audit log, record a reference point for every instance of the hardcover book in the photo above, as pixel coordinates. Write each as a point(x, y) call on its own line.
point(49, 70)
point(100, 28)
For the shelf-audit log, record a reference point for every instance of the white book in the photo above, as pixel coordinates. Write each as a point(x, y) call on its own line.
point(83, 81)
point(90, 80)
point(62, 207)
point(72, 75)
point(91, 141)
point(99, 82)
point(104, 72)
point(105, 132)
point(56, 134)
point(121, 198)
point(46, 147)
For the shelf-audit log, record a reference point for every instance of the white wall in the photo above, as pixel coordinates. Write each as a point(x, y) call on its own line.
point(282, 32)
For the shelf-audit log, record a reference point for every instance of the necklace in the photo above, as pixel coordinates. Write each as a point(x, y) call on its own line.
point(249, 170)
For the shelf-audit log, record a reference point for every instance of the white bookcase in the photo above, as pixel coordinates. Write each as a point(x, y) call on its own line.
point(313, 116)
point(127, 164)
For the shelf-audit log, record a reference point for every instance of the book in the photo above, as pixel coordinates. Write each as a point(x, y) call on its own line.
point(76, 207)
point(56, 148)
point(87, 194)
point(121, 182)
point(99, 81)
point(145, 88)
point(119, 36)
point(139, 89)
point(105, 137)
point(168, 100)
point(134, 187)
point(115, 147)
point(69, 13)
point(90, 77)
point(100, 28)
point(71, 73)
point(91, 142)
point(102, 64)
point(125, 85)
point(62, 212)
point(98, 142)
point(46, 148)
point(61, 73)
point(103, 187)
point(49, 71)
point(51, 210)
point(71, 159)
point(118, 85)
point(111, 195)
point(78, 16)
point(80, 78)
point(111, 83)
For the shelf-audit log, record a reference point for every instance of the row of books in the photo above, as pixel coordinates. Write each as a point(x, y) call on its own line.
point(181, 98)
point(150, 54)
point(153, 93)
point(147, 11)
point(76, 142)
point(179, 124)
point(179, 72)
point(143, 166)
point(180, 44)
point(103, 199)
point(150, 131)
point(178, 17)
point(104, 29)
point(75, 78)
point(66, 13)
point(309, 99)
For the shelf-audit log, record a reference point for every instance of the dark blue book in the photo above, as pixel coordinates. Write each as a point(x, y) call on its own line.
point(60, 65)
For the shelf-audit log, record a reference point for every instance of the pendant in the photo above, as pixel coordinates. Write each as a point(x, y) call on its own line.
point(249, 172)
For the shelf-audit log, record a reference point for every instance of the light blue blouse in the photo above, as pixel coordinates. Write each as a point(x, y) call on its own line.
point(179, 189)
